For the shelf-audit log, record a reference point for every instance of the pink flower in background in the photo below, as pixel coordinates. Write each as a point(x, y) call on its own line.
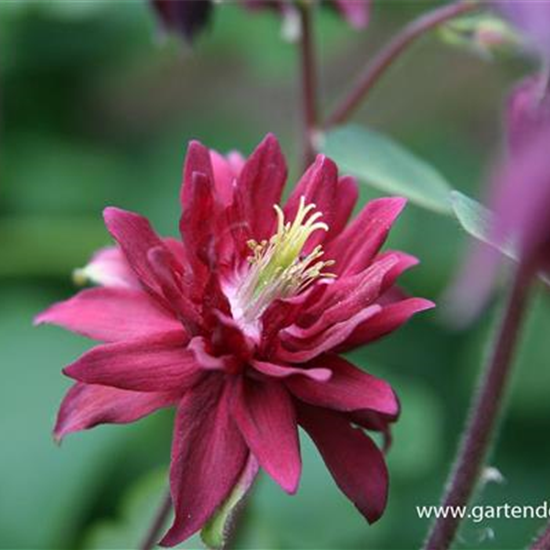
point(239, 325)
point(528, 111)
point(520, 200)
point(532, 18)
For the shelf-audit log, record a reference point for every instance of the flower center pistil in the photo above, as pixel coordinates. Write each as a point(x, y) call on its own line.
point(278, 268)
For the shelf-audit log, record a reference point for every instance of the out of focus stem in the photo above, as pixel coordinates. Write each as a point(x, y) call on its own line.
point(543, 541)
point(154, 533)
point(377, 66)
point(485, 410)
point(308, 74)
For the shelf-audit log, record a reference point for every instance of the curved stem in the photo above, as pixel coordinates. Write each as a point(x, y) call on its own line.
point(308, 73)
point(155, 530)
point(391, 52)
point(486, 407)
point(543, 541)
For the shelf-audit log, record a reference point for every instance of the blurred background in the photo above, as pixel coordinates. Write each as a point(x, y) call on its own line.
point(96, 109)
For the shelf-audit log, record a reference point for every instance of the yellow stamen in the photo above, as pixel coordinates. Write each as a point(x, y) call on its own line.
point(277, 268)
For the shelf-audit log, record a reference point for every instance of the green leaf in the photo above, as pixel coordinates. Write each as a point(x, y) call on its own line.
point(217, 529)
point(379, 161)
point(478, 221)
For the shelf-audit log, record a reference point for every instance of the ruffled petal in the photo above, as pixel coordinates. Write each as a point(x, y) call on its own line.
point(264, 413)
point(154, 364)
point(259, 187)
point(318, 186)
point(298, 348)
point(348, 389)
point(136, 237)
point(208, 456)
point(357, 245)
point(355, 462)
point(390, 318)
point(111, 314)
point(347, 296)
point(108, 267)
point(226, 171)
point(347, 194)
point(284, 371)
point(197, 161)
point(86, 406)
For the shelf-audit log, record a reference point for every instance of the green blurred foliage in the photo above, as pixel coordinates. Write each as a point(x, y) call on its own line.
point(96, 109)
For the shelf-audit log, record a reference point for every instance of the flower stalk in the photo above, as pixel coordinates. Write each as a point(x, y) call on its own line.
point(485, 411)
point(308, 75)
point(543, 540)
point(155, 531)
point(378, 66)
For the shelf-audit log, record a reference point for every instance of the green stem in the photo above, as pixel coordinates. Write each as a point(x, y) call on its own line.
point(154, 533)
point(308, 73)
point(376, 68)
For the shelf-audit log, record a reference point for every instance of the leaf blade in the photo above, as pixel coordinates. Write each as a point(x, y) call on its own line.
point(386, 165)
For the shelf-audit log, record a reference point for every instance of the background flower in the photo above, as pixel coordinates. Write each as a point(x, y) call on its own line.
point(189, 17)
point(532, 17)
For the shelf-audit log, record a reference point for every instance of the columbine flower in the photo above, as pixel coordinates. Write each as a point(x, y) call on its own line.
point(239, 324)
point(528, 111)
point(184, 17)
point(520, 199)
point(532, 18)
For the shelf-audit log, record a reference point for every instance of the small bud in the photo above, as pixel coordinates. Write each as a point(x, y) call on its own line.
point(484, 34)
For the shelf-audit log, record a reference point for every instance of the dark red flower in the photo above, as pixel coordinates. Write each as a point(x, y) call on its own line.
point(184, 17)
point(239, 324)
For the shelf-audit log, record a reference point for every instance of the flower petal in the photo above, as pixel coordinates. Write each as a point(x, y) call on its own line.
point(136, 237)
point(260, 185)
point(197, 161)
point(318, 186)
point(346, 297)
point(348, 389)
point(154, 364)
point(86, 406)
point(110, 314)
point(357, 245)
point(297, 349)
point(108, 267)
point(390, 318)
point(280, 371)
point(208, 456)
point(265, 415)
point(226, 171)
point(355, 462)
point(347, 193)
